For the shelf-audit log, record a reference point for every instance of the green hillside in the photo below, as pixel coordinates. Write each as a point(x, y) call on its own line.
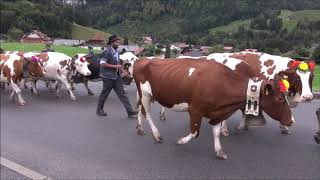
point(289, 20)
point(84, 33)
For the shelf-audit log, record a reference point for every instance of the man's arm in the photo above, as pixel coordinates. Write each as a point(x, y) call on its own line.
point(107, 65)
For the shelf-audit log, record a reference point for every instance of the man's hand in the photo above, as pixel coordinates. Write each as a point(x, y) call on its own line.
point(125, 74)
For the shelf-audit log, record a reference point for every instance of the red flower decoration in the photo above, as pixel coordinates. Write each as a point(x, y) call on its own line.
point(82, 59)
point(282, 87)
point(312, 65)
point(295, 64)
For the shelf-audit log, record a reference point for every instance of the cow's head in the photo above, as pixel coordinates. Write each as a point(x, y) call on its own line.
point(35, 63)
point(80, 64)
point(274, 102)
point(300, 76)
point(128, 59)
point(35, 66)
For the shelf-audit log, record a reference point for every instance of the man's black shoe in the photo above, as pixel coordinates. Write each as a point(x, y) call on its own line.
point(101, 113)
point(132, 114)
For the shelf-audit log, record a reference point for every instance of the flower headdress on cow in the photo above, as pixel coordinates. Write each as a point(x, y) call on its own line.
point(303, 66)
point(282, 83)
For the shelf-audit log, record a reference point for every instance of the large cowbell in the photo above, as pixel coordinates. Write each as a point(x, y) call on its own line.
point(253, 97)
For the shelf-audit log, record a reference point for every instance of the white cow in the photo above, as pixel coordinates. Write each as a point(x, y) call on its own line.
point(60, 67)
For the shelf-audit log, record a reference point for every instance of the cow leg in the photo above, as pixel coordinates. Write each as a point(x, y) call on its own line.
point(34, 89)
point(18, 92)
point(11, 98)
point(224, 129)
point(125, 89)
point(85, 82)
point(317, 136)
point(216, 130)
point(242, 125)
point(49, 85)
point(163, 114)
point(141, 117)
point(25, 85)
point(195, 124)
point(58, 88)
point(72, 85)
point(64, 80)
point(146, 102)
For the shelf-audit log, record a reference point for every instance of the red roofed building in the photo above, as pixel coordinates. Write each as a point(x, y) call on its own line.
point(35, 36)
point(97, 39)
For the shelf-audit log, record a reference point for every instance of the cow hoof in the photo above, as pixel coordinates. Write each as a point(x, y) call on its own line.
point(158, 139)
point(285, 132)
point(22, 103)
point(221, 155)
point(162, 118)
point(90, 93)
point(317, 139)
point(140, 132)
point(35, 93)
point(225, 133)
point(180, 141)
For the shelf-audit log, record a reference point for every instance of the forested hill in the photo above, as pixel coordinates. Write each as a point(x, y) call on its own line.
point(165, 20)
point(178, 19)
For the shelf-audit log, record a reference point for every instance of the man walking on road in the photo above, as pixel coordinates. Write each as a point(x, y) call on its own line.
point(110, 70)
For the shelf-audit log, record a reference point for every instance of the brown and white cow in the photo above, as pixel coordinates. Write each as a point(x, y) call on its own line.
point(60, 67)
point(269, 67)
point(11, 68)
point(203, 89)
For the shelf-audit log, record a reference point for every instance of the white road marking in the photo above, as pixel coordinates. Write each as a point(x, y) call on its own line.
point(22, 170)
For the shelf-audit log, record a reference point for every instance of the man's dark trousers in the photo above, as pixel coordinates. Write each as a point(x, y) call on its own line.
point(117, 85)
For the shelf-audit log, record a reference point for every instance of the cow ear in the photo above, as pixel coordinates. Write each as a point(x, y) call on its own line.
point(267, 89)
point(311, 64)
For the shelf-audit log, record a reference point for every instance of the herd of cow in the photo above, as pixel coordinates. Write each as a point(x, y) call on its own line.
point(213, 87)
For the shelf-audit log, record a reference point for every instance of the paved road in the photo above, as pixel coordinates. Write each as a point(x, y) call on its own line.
point(62, 139)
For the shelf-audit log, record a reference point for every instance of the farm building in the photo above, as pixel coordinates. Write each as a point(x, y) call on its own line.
point(35, 36)
point(97, 39)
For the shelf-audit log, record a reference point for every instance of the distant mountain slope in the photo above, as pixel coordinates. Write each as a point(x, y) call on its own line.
point(289, 19)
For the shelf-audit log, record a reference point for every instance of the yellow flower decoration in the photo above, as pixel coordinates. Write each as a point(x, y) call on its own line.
point(304, 66)
point(286, 84)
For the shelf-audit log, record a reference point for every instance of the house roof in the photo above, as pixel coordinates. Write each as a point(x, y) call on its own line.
point(147, 38)
point(39, 33)
point(180, 45)
point(98, 37)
